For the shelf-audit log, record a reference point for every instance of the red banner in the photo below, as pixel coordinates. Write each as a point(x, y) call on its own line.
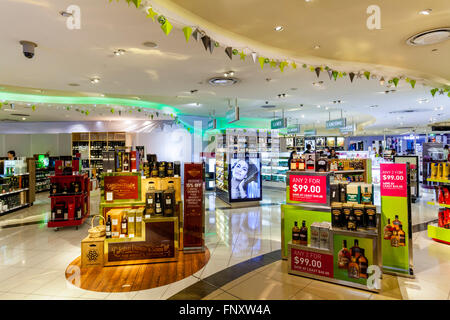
point(122, 187)
point(193, 205)
point(312, 262)
point(308, 188)
point(393, 179)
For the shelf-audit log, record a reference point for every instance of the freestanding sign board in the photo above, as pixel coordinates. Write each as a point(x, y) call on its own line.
point(396, 221)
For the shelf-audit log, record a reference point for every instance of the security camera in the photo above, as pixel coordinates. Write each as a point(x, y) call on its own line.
point(28, 48)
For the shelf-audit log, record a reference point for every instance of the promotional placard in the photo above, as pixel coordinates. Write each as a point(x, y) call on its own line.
point(312, 262)
point(396, 219)
point(232, 115)
point(337, 123)
point(122, 187)
point(293, 129)
point(278, 123)
point(308, 188)
point(212, 124)
point(194, 212)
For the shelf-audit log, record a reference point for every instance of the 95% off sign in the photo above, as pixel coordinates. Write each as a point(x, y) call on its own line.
point(312, 262)
point(393, 182)
point(308, 188)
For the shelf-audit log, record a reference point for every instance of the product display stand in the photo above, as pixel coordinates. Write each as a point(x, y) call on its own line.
point(328, 252)
point(414, 174)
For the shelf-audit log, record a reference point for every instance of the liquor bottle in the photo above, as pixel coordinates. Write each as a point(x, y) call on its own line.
point(124, 226)
point(296, 234)
point(162, 169)
point(66, 213)
point(358, 210)
point(79, 213)
point(388, 230)
point(293, 164)
point(169, 169)
point(150, 200)
point(108, 227)
point(158, 203)
point(337, 214)
point(310, 163)
point(353, 269)
point(394, 238)
point(352, 221)
point(301, 166)
point(355, 250)
point(363, 264)
point(396, 223)
point(65, 189)
point(154, 171)
point(344, 256)
point(304, 234)
point(126, 165)
point(366, 197)
point(401, 237)
point(169, 200)
point(77, 187)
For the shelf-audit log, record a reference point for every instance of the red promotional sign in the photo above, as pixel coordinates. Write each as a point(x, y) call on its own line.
point(193, 205)
point(393, 179)
point(312, 262)
point(122, 187)
point(308, 188)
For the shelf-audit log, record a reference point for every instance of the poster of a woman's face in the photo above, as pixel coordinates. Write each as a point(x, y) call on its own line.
point(245, 179)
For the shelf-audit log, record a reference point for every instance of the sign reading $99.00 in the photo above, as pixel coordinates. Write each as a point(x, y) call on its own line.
point(308, 188)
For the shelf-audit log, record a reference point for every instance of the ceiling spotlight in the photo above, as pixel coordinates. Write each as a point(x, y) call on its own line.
point(303, 115)
point(308, 0)
point(326, 108)
point(24, 118)
point(65, 14)
point(318, 106)
point(425, 12)
point(316, 47)
point(279, 28)
point(95, 80)
point(434, 50)
point(318, 84)
point(119, 52)
point(150, 44)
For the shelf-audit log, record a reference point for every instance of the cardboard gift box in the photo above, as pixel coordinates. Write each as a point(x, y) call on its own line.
point(92, 252)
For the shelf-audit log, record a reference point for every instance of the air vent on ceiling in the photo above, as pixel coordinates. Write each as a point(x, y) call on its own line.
point(222, 81)
point(409, 111)
point(429, 37)
point(268, 106)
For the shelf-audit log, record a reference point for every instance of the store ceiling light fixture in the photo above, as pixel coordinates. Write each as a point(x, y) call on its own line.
point(318, 84)
point(150, 44)
point(429, 37)
point(316, 47)
point(65, 14)
point(222, 81)
point(425, 12)
point(279, 28)
point(119, 52)
point(228, 74)
point(95, 80)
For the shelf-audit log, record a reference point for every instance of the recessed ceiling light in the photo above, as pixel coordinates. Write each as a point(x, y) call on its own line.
point(65, 14)
point(24, 118)
point(303, 115)
point(317, 47)
point(425, 12)
point(95, 80)
point(279, 28)
point(219, 81)
point(308, 0)
point(425, 100)
point(150, 44)
point(318, 106)
point(102, 95)
point(119, 52)
point(318, 84)
point(429, 37)
point(434, 50)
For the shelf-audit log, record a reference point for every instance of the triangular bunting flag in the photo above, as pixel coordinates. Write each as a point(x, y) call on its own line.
point(294, 65)
point(151, 14)
point(304, 65)
point(317, 71)
point(137, 3)
point(283, 64)
point(395, 81)
point(206, 41)
point(261, 62)
point(166, 27)
point(229, 52)
point(352, 76)
point(367, 75)
point(273, 63)
point(33, 107)
point(211, 46)
point(254, 56)
point(433, 91)
point(243, 55)
point(311, 69)
point(187, 33)
point(335, 74)
point(196, 34)
point(330, 73)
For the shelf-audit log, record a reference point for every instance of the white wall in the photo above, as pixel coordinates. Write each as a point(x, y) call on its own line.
point(26, 145)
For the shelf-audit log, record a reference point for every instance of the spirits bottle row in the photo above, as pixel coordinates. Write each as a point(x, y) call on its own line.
point(162, 169)
point(353, 260)
point(160, 202)
point(124, 223)
point(63, 211)
point(65, 188)
point(10, 184)
point(351, 192)
point(320, 234)
point(444, 218)
point(353, 217)
point(11, 201)
point(440, 170)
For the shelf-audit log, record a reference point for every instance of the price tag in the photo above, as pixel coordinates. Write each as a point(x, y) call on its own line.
point(393, 180)
point(133, 170)
point(109, 171)
point(109, 196)
point(308, 188)
point(312, 262)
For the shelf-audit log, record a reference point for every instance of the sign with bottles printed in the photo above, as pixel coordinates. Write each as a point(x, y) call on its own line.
point(352, 257)
point(312, 262)
point(395, 218)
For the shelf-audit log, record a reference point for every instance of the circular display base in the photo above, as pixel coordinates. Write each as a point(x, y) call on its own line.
point(135, 277)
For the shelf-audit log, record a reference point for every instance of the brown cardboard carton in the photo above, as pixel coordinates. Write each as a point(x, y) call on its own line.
point(131, 214)
point(116, 219)
point(92, 251)
point(139, 222)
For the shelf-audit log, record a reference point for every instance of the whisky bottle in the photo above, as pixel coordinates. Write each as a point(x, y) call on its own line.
point(355, 250)
point(154, 172)
point(296, 234)
point(366, 197)
point(310, 163)
point(388, 230)
point(396, 223)
point(353, 269)
point(293, 164)
point(150, 200)
point(363, 264)
point(352, 222)
point(108, 227)
point(304, 234)
point(358, 210)
point(158, 203)
point(169, 200)
point(394, 238)
point(124, 226)
point(344, 256)
point(301, 166)
point(126, 166)
point(401, 237)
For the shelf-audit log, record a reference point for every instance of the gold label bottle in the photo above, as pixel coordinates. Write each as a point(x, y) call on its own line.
point(353, 269)
point(344, 256)
point(363, 264)
point(401, 237)
point(395, 239)
point(388, 231)
point(296, 234)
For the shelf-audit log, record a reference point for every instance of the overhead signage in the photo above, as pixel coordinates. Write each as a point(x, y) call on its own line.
point(347, 129)
point(278, 123)
point(336, 123)
point(306, 188)
point(212, 124)
point(310, 132)
point(293, 129)
point(233, 115)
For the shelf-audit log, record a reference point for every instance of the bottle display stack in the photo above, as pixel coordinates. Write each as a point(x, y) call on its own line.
point(70, 200)
point(274, 157)
point(440, 175)
point(16, 184)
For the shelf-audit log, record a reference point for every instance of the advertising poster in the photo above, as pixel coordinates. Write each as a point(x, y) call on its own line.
point(395, 218)
point(352, 257)
point(193, 205)
point(245, 179)
point(122, 187)
point(312, 262)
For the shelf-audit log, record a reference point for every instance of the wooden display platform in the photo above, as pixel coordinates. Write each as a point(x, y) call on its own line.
point(137, 277)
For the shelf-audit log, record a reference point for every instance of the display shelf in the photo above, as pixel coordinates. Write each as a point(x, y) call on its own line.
point(348, 171)
point(66, 223)
point(438, 204)
point(439, 234)
point(12, 192)
point(359, 233)
point(439, 180)
point(14, 175)
point(311, 248)
point(15, 208)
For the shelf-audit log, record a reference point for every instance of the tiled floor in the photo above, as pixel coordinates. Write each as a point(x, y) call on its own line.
point(33, 258)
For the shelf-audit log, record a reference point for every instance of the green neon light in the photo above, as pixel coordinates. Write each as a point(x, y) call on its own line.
point(32, 98)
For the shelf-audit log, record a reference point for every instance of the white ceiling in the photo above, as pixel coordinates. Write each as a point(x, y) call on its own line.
point(168, 73)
